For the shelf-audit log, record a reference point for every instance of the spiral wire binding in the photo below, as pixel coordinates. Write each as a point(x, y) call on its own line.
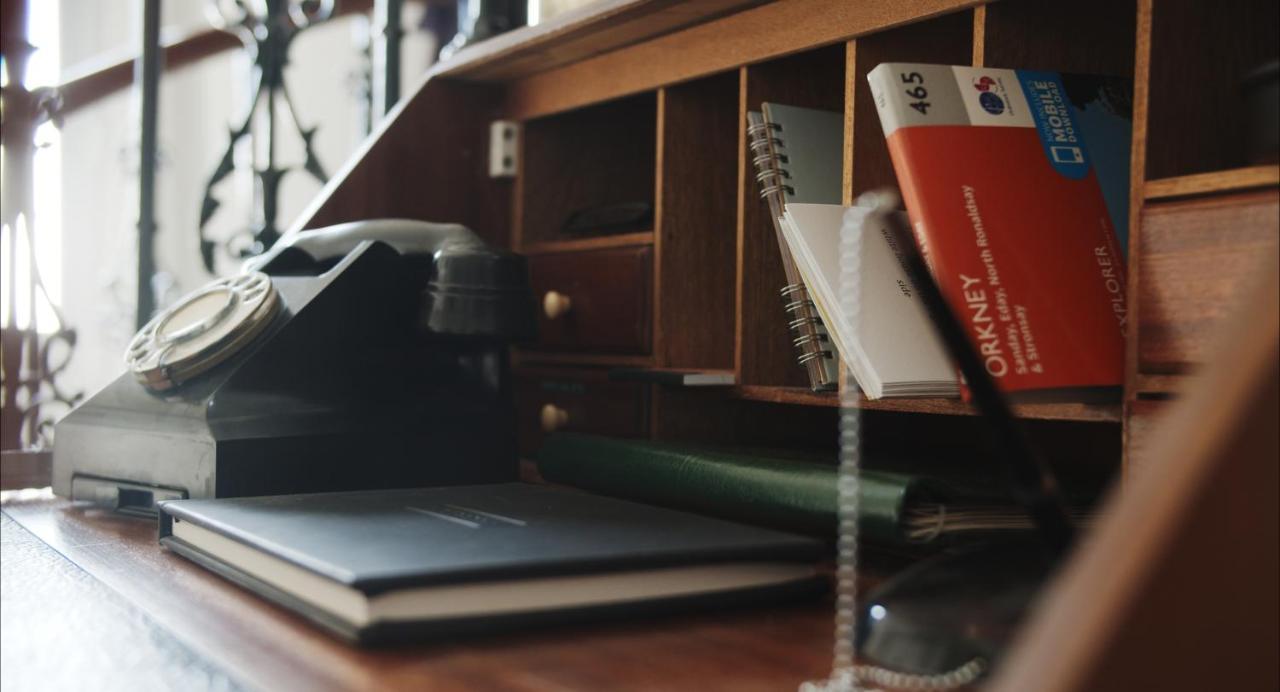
point(768, 158)
point(767, 173)
point(809, 339)
point(776, 188)
point(763, 150)
point(808, 336)
point(804, 358)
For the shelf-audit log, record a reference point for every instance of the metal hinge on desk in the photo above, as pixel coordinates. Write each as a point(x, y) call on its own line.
point(504, 145)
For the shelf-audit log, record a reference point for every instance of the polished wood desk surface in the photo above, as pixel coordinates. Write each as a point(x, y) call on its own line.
point(92, 601)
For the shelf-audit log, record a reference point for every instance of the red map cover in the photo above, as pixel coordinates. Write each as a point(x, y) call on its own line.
point(1008, 206)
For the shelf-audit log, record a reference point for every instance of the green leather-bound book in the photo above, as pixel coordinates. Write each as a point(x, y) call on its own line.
point(771, 490)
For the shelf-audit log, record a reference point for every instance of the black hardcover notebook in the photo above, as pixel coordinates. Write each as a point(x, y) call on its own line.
point(382, 565)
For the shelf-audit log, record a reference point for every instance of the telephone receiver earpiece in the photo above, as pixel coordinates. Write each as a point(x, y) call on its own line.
point(468, 289)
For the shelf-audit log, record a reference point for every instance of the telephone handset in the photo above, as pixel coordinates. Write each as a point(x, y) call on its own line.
point(466, 289)
point(407, 236)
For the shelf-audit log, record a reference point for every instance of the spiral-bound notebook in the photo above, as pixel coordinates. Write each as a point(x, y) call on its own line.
point(893, 350)
point(797, 159)
point(890, 345)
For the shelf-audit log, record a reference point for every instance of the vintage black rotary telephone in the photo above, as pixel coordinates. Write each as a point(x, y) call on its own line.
point(365, 355)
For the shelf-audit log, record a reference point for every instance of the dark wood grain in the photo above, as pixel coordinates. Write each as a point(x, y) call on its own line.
point(530, 357)
point(25, 469)
point(717, 416)
point(1084, 454)
point(581, 34)
point(1090, 36)
point(1137, 176)
point(1185, 550)
point(786, 395)
point(428, 160)
point(1066, 411)
point(1197, 259)
point(1141, 430)
point(697, 216)
point(947, 40)
point(1201, 128)
point(1216, 182)
point(598, 242)
point(1160, 385)
point(269, 648)
point(593, 403)
point(609, 292)
point(752, 36)
point(813, 79)
point(597, 156)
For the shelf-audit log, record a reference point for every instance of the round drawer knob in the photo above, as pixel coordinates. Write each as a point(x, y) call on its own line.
point(555, 304)
point(553, 417)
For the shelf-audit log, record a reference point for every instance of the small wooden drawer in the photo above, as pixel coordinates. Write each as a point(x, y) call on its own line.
point(597, 301)
point(1197, 259)
point(577, 400)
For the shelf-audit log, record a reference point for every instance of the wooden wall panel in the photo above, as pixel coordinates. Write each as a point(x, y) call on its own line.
point(593, 157)
point(947, 40)
point(696, 224)
point(1197, 259)
point(1199, 53)
point(708, 415)
point(1089, 36)
point(429, 160)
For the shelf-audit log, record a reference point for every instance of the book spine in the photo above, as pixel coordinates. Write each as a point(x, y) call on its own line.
point(893, 106)
point(810, 336)
point(775, 492)
point(893, 109)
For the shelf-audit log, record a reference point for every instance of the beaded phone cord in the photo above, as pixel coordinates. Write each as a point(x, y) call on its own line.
point(847, 675)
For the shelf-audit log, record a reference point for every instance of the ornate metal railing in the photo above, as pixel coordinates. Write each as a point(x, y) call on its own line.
point(34, 354)
point(29, 391)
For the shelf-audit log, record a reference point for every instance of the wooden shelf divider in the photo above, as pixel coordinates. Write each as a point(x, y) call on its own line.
point(1066, 411)
point(1231, 180)
point(1146, 383)
point(593, 243)
point(523, 357)
point(786, 395)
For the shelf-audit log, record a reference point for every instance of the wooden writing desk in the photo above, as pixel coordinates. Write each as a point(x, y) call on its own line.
point(664, 87)
point(92, 601)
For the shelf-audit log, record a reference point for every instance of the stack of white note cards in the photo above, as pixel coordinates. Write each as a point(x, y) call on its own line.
point(889, 345)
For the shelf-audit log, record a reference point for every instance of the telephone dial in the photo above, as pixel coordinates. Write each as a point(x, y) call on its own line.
point(361, 356)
